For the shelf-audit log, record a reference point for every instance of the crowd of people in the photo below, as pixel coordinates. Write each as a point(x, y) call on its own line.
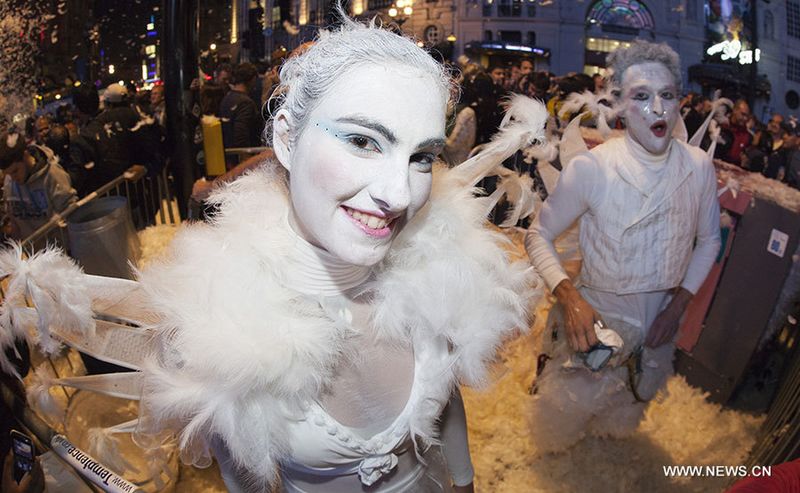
point(94, 141)
point(317, 330)
point(53, 159)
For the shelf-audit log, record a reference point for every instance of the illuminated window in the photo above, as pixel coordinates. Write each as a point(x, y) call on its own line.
point(626, 13)
point(605, 45)
point(793, 19)
point(432, 34)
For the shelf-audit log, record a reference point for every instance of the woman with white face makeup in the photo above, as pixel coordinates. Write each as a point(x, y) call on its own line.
point(316, 330)
point(649, 234)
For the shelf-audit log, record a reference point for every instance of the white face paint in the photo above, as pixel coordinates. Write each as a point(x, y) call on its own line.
point(361, 168)
point(649, 96)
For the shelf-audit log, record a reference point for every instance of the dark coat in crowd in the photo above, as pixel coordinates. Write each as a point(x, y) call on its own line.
point(241, 120)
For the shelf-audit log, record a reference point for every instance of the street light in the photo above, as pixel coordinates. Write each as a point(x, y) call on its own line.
point(400, 11)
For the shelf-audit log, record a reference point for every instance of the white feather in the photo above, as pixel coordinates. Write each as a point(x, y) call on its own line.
point(104, 446)
point(40, 398)
point(522, 126)
point(719, 107)
point(56, 287)
point(597, 105)
point(241, 354)
point(572, 142)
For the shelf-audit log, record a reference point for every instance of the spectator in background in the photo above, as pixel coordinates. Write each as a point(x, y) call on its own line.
point(498, 75)
point(775, 123)
point(784, 146)
point(222, 76)
point(114, 139)
point(525, 67)
point(735, 134)
point(487, 103)
point(696, 115)
point(72, 161)
point(599, 83)
point(512, 80)
point(157, 104)
point(241, 118)
point(42, 129)
point(35, 186)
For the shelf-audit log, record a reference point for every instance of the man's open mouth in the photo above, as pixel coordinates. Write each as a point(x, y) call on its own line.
point(659, 128)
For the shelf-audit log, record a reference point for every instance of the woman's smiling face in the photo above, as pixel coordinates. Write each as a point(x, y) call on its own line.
point(360, 169)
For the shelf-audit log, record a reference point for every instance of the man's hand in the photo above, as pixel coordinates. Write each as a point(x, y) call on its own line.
point(31, 482)
point(579, 317)
point(667, 322)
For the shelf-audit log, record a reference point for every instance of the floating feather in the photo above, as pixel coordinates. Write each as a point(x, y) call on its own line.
point(719, 107)
point(572, 142)
point(40, 398)
point(522, 126)
point(598, 105)
point(104, 446)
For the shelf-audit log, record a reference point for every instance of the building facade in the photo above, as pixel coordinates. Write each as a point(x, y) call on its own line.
point(749, 48)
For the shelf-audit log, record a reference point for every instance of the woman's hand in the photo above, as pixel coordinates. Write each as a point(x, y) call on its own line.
point(579, 317)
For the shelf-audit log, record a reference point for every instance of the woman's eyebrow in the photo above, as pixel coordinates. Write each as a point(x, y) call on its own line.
point(371, 124)
point(434, 143)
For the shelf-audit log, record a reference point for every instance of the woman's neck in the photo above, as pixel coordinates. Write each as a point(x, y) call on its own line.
point(314, 271)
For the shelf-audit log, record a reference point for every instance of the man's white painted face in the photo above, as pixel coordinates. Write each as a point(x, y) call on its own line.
point(361, 167)
point(650, 99)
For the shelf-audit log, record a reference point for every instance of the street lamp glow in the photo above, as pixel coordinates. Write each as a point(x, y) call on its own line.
point(400, 4)
point(213, 46)
point(392, 12)
point(451, 38)
point(408, 10)
point(110, 69)
point(58, 96)
point(122, 82)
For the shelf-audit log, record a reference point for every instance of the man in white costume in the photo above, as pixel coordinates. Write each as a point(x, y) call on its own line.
point(649, 232)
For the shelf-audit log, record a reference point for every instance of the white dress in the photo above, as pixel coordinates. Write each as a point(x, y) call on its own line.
point(250, 354)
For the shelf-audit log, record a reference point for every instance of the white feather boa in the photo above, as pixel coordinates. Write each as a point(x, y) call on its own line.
point(240, 354)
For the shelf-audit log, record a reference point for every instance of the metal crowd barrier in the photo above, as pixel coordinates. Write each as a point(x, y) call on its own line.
point(153, 203)
point(150, 199)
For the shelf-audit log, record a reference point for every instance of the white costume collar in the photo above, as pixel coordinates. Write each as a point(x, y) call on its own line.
point(314, 271)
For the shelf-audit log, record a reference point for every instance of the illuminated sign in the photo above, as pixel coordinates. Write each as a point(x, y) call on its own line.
point(732, 50)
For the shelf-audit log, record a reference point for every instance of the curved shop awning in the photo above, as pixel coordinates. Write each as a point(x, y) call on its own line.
point(505, 48)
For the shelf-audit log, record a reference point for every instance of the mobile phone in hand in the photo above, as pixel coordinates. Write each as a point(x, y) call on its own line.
point(24, 453)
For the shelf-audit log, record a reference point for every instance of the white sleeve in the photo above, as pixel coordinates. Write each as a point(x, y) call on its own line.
point(569, 201)
point(455, 444)
point(708, 237)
